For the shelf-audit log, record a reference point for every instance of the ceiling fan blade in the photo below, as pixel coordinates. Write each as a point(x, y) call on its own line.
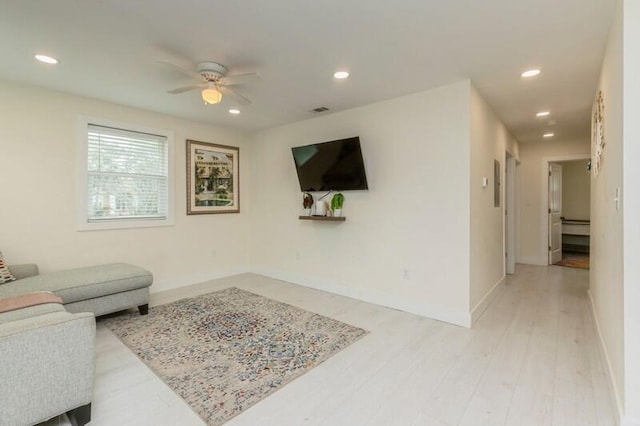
point(238, 97)
point(186, 89)
point(192, 73)
point(234, 79)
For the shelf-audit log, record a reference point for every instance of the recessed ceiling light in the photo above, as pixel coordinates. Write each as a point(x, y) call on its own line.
point(234, 111)
point(46, 59)
point(552, 122)
point(341, 75)
point(548, 135)
point(542, 114)
point(530, 73)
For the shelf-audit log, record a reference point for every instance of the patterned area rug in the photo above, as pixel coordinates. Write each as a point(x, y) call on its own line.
point(224, 351)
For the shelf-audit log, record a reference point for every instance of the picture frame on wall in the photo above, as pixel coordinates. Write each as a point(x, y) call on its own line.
point(213, 178)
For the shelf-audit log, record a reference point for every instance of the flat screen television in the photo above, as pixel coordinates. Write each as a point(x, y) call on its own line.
point(335, 165)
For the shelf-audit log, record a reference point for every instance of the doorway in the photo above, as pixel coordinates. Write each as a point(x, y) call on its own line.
point(569, 190)
point(568, 213)
point(576, 215)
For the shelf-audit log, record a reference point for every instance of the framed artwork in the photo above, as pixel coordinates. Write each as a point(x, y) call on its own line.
point(212, 178)
point(598, 134)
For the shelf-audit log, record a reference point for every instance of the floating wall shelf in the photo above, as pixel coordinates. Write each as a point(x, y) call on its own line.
point(324, 218)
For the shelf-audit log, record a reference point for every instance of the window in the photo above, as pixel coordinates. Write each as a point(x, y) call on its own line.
point(125, 177)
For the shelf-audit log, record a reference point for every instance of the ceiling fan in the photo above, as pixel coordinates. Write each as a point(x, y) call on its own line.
point(214, 82)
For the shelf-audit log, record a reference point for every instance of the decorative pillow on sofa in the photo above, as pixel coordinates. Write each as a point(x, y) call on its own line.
point(5, 273)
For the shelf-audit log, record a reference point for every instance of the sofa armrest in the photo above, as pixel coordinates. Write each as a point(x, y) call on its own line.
point(25, 270)
point(47, 366)
point(30, 312)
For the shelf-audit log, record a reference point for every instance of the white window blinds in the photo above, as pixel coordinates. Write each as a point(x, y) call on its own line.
point(127, 175)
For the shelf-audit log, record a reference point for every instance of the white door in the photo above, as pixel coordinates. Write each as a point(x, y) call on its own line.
point(555, 213)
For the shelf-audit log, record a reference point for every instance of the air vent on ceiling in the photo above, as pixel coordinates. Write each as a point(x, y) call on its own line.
point(320, 109)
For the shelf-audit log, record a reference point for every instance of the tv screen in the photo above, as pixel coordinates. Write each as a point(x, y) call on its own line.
point(335, 165)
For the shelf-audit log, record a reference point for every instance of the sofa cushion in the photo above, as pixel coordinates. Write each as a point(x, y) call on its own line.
point(73, 285)
point(24, 270)
point(5, 273)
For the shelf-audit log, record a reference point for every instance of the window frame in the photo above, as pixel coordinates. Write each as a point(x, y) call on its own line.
point(82, 219)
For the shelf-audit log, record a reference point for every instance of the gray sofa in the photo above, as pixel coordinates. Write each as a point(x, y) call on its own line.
point(47, 365)
point(47, 350)
point(101, 289)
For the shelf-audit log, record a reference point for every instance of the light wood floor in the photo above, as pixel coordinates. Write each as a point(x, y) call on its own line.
point(532, 359)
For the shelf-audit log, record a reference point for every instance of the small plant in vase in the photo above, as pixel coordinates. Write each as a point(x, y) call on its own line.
point(307, 202)
point(336, 204)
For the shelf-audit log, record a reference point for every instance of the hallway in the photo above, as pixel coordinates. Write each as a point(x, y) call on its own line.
point(551, 340)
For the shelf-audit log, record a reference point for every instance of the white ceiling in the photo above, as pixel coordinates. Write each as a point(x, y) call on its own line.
point(109, 49)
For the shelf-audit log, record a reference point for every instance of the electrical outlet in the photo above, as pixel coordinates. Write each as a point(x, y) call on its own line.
point(297, 254)
point(214, 253)
point(405, 274)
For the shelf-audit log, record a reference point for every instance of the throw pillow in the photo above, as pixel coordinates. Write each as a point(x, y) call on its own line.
point(5, 273)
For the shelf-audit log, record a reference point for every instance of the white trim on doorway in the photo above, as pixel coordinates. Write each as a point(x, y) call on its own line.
point(511, 214)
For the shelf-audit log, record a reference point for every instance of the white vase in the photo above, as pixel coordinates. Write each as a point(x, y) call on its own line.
point(320, 209)
point(337, 212)
point(307, 212)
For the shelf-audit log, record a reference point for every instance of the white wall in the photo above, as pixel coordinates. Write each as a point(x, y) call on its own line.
point(606, 273)
point(631, 206)
point(576, 190)
point(38, 139)
point(415, 215)
point(407, 242)
point(489, 141)
point(531, 184)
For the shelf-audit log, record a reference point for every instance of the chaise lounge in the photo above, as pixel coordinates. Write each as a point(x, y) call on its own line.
point(101, 289)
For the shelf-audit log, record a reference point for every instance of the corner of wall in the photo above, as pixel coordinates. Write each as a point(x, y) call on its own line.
point(489, 297)
point(489, 141)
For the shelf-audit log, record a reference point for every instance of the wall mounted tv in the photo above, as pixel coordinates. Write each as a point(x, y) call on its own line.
point(335, 165)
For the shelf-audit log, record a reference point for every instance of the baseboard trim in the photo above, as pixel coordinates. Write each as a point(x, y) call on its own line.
point(462, 319)
point(482, 306)
point(613, 390)
point(186, 280)
point(532, 260)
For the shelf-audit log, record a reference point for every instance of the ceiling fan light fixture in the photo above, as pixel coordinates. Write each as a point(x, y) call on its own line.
point(211, 95)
